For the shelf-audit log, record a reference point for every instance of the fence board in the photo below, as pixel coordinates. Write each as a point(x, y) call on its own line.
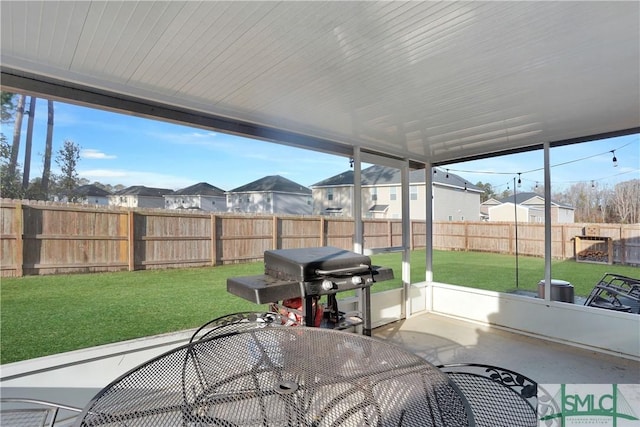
point(45, 238)
point(297, 232)
point(58, 239)
point(244, 237)
point(11, 239)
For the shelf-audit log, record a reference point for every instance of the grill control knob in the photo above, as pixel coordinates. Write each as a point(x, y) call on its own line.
point(327, 285)
point(356, 280)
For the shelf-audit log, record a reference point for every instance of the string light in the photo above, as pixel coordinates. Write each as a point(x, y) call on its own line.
point(350, 162)
point(615, 161)
point(537, 184)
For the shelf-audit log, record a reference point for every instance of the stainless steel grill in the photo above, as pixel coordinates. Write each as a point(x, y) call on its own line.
point(308, 273)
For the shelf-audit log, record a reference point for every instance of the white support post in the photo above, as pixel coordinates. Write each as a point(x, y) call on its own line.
point(547, 224)
point(429, 208)
point(406, 235)
point(429, 223)
point(364, 295)
point(358, 237)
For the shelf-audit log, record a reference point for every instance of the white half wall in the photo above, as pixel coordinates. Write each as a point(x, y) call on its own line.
point(596, 329)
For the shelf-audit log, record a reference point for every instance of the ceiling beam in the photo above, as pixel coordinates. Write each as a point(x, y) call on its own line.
point(17, 81)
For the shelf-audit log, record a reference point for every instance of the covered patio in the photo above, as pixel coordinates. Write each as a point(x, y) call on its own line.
point(403, 84)
point(75, 377)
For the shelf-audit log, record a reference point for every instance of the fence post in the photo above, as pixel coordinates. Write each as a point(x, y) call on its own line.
point(214, 240)
point(131, 240)
point(466, 236)
point(412, 243)
point(19, 248)
point(274, 232)
point(511, 226)
point(623, 248)
point(323, 239)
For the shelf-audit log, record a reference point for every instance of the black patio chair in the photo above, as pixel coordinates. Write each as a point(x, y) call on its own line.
point(23, 412)
point(238, 322)
point(498, 397)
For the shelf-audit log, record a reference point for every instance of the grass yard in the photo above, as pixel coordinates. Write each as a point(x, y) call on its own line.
point(42, 315)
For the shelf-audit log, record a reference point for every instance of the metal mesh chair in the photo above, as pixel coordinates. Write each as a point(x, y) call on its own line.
point(238, 322)
point(22, 412)
point(498, 396)
point(281, 376)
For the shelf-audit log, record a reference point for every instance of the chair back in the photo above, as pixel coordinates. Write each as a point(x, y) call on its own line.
point(24, 412)
point(498, 396)
point(238, 322)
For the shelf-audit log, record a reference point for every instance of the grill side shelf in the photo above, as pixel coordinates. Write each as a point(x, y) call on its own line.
point(264, 289)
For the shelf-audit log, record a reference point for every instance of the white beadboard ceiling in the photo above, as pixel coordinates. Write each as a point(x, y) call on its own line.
point(426, 81)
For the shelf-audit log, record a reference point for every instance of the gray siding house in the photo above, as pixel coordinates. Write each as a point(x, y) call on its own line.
point(454, 199)
point(271, 194)
point(201, 196)
point(92, 195)
point(530, 208)
point(139, 196)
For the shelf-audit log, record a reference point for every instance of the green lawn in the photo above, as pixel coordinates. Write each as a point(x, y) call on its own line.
point(43, 315)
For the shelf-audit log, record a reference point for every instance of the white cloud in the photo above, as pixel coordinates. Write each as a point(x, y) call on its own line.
point(90, 153)
point(207, 139)
point(131, 177)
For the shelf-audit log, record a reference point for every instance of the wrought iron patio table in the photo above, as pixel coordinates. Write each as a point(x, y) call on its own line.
point(294, 376)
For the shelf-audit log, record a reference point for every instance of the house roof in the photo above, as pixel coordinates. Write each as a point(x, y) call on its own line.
point(384, 175)
point(141, 190)
point(491, 202)
point(523, 198)
point(378, 208)
point(199, 189)
point(272, 183)
point(91, 190)
point(431, 82)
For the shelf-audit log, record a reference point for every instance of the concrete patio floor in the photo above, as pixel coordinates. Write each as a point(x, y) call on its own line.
point(436, 338)
point(443, 340)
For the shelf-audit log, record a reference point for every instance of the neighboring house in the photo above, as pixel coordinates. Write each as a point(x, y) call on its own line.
point(139, 196)
point(271, 194)
point(92, 195)
point(484, 208)
point(454, 199)
point(201, 196)
point(530, 208)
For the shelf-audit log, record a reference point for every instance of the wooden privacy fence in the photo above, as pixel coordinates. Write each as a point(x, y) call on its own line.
point(47, 238)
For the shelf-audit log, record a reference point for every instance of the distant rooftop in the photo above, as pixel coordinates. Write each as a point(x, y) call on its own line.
point(272, 183)
point(199, 189)
point(523, 197)
point(91, 190)
point(383, 175)
point(141, 190)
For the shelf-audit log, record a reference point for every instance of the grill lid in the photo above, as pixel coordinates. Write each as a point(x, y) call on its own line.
point(306, 264)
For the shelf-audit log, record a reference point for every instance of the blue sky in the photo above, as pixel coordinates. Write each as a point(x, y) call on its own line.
point(122, 149)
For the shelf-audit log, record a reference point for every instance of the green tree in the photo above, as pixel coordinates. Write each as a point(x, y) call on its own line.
point(17, 129)
point(46, 171)
point(29, 143)
point(6, 114)
point(488, 192)
point(7, 106)
point(9, 174)
point(67, 159)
